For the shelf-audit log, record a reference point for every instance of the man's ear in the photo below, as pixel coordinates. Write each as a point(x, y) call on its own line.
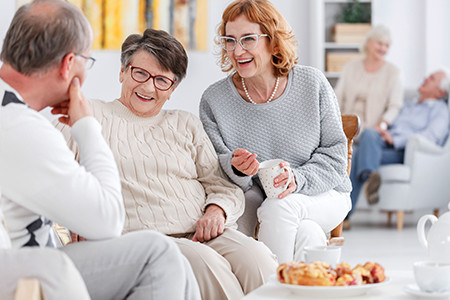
point(66, 66)
point(442, 93)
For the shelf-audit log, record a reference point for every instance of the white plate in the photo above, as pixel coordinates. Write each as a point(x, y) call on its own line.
point(329, 291)
point(413, 289)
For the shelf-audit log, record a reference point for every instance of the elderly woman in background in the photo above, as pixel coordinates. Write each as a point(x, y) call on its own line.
point(268, 108)
point(171, 177)
point(371, 87)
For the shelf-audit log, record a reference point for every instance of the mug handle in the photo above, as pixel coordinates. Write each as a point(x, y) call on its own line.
point(288, 169)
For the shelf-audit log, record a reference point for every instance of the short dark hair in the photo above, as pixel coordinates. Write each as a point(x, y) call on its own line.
point(167, 50)
point(37, 41)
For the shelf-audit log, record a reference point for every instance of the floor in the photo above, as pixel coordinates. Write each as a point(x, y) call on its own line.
point(371, 239)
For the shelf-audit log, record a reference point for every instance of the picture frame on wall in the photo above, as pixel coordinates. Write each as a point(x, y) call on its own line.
point(113, 20)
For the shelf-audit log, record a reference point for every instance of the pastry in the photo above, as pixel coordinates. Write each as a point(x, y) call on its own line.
point(322, 274)
point(315, 273)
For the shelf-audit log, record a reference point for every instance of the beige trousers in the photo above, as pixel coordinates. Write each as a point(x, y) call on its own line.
point(229, 266)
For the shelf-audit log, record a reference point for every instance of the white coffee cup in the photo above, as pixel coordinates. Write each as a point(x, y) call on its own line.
point(328, 254)
point(432, 276)
point(267, 172)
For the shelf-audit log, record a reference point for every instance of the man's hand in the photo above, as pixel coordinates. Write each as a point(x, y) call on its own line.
point(211, 225)
point(245, 162)
point(385, 135)
point(282, 179)
point(75, 108)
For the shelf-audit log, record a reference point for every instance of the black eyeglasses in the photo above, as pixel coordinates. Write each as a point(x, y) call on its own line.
point(160, 82)
point(247, 42)
point(89, 60)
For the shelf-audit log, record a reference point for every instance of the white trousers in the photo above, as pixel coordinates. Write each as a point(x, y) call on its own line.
point(288, 225)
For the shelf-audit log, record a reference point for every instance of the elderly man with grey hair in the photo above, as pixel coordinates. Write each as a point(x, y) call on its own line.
point(427, 116)
point(45, 56)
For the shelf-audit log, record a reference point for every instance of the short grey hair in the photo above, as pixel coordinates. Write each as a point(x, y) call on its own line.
point(379, 33)
point(445, 82)
point(167, 50)
point(42, 33)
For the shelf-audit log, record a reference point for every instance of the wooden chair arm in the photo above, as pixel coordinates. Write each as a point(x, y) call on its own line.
point(351, 124)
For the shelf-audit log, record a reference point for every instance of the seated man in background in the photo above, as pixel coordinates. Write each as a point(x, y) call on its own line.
point(427, 116)
point(170, 173)
point(45, 56)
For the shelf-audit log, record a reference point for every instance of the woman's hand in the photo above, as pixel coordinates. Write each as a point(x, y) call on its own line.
point(211, 225)
point(282, 179)
point(245, 162)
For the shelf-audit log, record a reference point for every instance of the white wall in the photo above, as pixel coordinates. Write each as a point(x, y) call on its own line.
point(420, 34)
point(420, 29)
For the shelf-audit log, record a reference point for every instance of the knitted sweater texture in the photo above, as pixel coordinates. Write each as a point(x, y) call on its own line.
point(168, 167)
point(303, 127)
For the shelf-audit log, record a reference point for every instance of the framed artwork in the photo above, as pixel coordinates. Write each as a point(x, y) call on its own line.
point(113, 20)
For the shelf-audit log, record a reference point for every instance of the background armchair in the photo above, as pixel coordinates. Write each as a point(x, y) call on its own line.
point(421, 182)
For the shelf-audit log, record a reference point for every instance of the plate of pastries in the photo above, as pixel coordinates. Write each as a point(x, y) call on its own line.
point(319, 279)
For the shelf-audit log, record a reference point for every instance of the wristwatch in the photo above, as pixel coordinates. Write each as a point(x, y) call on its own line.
point(383, 125)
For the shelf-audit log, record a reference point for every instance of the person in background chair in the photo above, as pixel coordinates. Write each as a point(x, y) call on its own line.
point(46, 54)
point(370, 87)
point(170, 174)
point(427, 116)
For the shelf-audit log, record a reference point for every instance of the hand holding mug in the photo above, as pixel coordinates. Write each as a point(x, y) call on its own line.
point(276, 178)
point(284, 179)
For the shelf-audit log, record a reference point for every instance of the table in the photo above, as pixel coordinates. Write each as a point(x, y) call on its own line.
point(393, 290)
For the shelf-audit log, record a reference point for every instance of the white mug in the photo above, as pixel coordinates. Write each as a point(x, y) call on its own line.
point(267, 172)
point(432, 277)
point(329, 254)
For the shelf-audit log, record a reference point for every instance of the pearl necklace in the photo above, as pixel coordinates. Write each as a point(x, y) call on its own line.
point(271, 96)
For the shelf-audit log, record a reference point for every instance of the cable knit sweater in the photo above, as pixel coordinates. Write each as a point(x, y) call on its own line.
point(303, 127)
point(168, 168)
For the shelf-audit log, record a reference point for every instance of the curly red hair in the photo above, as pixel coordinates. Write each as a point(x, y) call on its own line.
point(262, 12)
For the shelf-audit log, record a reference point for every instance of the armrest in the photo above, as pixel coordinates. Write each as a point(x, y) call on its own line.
point(28, 289)
point(418, 143)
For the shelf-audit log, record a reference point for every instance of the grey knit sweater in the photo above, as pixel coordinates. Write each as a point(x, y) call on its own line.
point(302, 127)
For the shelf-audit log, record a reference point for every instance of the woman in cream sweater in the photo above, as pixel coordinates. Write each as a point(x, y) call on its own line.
point(371, 87)
point(170, 174)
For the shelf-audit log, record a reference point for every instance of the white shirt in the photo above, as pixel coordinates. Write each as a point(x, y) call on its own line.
point(41, 181)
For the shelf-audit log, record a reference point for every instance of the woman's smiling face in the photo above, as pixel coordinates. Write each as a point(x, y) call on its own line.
point(248, 63)
point(144, 99)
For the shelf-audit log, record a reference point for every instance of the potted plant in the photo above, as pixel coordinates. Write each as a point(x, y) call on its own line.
point(354, 23)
